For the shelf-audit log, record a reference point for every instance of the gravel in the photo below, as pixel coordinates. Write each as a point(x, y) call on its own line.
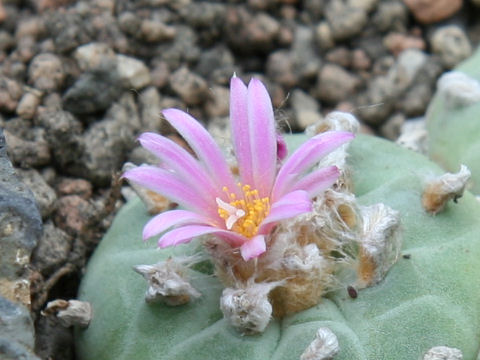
point(80, 80)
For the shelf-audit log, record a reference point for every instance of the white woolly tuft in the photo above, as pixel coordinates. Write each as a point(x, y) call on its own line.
point(414, 136)
point(438, 191)
point(248, 309)
point(459, 89)
point(381, 240)
point(336, 120)
point(443, 353)
point(324, 347)
point(167, 281)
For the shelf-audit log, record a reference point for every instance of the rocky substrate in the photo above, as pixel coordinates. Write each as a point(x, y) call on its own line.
point(79, 80)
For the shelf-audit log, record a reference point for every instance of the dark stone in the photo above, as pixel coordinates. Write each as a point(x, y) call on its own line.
point(20, 229)
point(20, 221)
point(93, 92)
point(214, 61)
point(108, 141)
point(249, 33)
point(184, 48)
point(53, 341)
point(52, 250)
point(67, 30)
point(28, 150)
point(17, 337)
point(12, 350)
point(207, 17)
point(45, 196)
point(63, 133)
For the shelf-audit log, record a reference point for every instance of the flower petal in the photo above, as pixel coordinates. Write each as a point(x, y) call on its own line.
point(168, 219)
point(317, 181)
point(282, 149)
point(305, 157)
point(186, 233)
point(240, 129)
point(167, 184)
point(178, 159)
point(253, 248)
point(292, 204)
point(203, 145)
point(263, 141)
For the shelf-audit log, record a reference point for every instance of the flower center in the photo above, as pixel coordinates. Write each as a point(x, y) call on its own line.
point(244, 215)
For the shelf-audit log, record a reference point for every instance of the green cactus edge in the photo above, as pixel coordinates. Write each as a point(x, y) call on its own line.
point(429, 298)
point(454, 128)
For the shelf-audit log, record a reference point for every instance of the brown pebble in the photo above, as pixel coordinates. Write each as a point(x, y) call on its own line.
point(79, 187)
point(28, 105)
point(396, 42)
point(432, 11)
point(73, 214)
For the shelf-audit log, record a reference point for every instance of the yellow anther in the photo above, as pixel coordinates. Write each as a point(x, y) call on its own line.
point(244, 215)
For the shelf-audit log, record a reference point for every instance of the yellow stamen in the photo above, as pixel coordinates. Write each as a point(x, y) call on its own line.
point(243, 215)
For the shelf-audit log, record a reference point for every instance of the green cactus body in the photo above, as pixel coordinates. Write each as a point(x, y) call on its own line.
point(427, 299)
point(454, 131)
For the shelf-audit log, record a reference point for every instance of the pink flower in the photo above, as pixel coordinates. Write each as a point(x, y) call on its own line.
point(241, 211)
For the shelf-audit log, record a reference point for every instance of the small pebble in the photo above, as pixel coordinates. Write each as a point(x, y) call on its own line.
point(191, 88)
point(133, 71)
point(154, 31)
point(432, 11)
point(73, 214)
point(451, 44)
point(44, 195)
point(79, 187)
point(93, 55)
point(335, 83)
point(52, 250)
point(10, 94)
point(46, 72)
point(28, 104)
point(345, 20)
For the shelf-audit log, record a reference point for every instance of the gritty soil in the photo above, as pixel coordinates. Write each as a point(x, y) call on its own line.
point(79, 80)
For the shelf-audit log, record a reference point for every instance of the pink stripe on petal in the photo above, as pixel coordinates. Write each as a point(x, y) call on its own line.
point(181, 161)
point(240, 129)
point(167, 184)
point(185, 234)
point(306, 156)
point(317, 181)
point(203, 145)
point(253, 248)
point(168, 219)
point(263, 140)
point(292, 204)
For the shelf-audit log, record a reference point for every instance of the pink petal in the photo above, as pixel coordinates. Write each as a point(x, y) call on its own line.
point(204, 147)
point(166, 220)
point(253, 248)
point(186, 233)
point(317, 181)
point(263, 142)
point(305, 157)
point(282, 149)
point(240, 129)
point(292, 204)
point(167, 184)
point(176, 158)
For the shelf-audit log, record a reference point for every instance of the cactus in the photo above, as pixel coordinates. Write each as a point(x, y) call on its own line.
point(453, 121)
point(428, 298)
